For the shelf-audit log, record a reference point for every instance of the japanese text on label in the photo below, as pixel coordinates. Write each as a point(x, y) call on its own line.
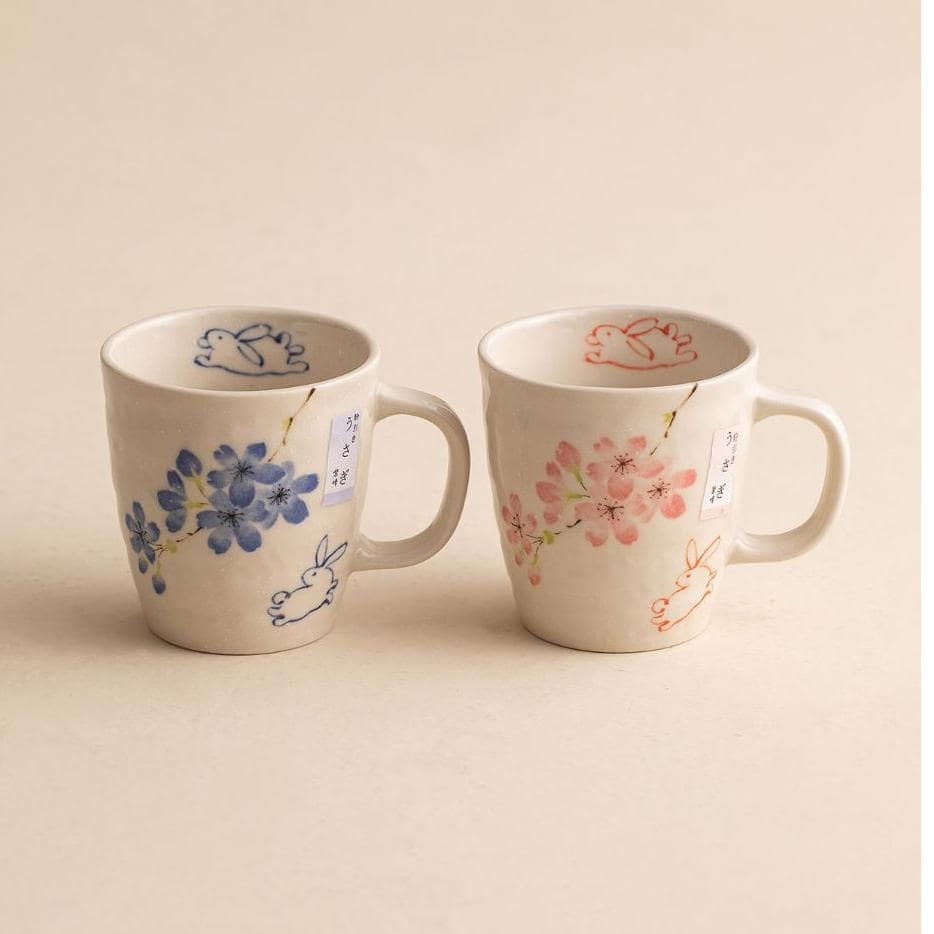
point(718, 494)
point(342, 458)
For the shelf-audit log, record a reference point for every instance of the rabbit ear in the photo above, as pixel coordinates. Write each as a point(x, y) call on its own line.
point(251, 353)
point(321, 555)
point(640, 326)
point(334, 555)
point(690, 554)
point(254, 332)
point(640, 348)
point(708, 551)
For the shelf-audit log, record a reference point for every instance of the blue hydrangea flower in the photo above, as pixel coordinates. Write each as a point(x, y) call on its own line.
point(283, 496)
point(143, 535)
point(174, 501)
point(188, 463)
point(239, 474)
point(228, 521)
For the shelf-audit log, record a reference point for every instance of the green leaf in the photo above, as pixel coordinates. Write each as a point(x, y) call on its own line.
point(171, 546)
point(668, 418)
point(548, 537)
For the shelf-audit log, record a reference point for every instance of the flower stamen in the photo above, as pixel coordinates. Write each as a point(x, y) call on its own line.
point(659, 489)
point(231, 517)
point(609, 508)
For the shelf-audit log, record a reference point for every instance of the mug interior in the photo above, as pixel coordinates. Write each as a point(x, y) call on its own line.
point(238, 349)
point(615, 347)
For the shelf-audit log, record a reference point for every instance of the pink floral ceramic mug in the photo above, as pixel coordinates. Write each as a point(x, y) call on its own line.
point(617, 438)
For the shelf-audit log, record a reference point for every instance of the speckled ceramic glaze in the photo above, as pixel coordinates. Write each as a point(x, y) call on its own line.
point(240, 448)
point(617, 438)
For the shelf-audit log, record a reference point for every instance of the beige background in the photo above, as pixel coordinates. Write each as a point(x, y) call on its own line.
point(428, 170)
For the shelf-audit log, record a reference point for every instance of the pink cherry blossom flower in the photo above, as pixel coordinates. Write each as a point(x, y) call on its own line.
point(568, 456)
point(565, 484)
point(521, 529)
point(630, 461)
point(519, 526)
point(661, 494)
point(608, 511)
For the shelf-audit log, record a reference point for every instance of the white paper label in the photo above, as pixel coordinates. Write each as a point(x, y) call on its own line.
point(724, 454)
point(342, 458)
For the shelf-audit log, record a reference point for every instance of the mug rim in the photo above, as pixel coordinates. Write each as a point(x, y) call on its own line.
point(109, 362)
point(483, 348)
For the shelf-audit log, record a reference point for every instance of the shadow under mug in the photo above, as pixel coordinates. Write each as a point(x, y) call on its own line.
point(617, 438)
point(240, 449)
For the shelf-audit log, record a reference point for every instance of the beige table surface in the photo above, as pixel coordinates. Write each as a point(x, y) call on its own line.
point(428, 170)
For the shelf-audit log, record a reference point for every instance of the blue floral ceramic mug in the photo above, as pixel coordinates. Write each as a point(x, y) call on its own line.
point(240, 447)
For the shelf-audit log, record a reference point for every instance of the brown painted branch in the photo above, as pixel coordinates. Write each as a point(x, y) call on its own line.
point(161, 549)
point(674, 415)
point(289, 423)
point(187, 535)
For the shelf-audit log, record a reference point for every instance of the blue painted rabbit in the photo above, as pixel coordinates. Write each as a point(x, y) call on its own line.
point(316, 590)
point(251, 351)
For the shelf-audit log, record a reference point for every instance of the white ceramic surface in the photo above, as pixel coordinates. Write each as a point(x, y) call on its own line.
point(617, 437)
point(240, 444)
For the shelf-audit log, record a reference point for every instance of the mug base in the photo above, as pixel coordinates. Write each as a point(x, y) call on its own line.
point(610, 647)
point(232, 649)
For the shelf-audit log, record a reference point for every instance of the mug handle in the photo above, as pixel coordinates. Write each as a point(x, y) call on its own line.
point(398, 400)
point(749, 547)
